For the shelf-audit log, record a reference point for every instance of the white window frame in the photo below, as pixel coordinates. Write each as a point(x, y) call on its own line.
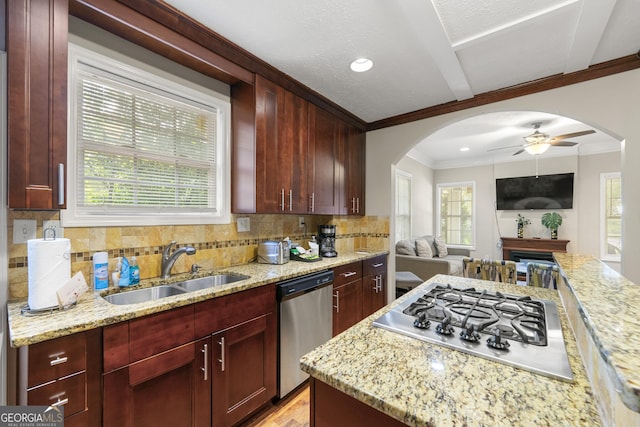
point(409, 177)
point(604, 256)
point(440, 186)
point(174, 86)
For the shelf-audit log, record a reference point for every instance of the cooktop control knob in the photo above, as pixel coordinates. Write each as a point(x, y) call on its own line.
point(495, 341)
point(421, 321)
point(470, 334)
point(445, 328)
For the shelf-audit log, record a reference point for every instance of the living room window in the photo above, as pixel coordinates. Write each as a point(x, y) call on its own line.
point(456, 213)
point(611, 216)
point(403, 205)
point(144, 149)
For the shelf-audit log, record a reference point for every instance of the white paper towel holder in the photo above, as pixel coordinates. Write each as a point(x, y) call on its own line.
point(25, 310)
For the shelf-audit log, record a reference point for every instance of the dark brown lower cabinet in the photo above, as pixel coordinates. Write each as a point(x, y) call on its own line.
point(244, 364)
point(172, 388)
point(347, 308)
point(332, 408)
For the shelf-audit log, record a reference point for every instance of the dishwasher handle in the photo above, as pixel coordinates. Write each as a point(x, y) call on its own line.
point(300, 286)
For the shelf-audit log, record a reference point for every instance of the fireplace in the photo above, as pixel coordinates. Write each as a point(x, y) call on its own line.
point(517, 256)
point(516, 249)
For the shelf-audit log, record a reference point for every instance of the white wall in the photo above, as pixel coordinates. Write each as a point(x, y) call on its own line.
point(580, 225)
point(611, 104)
point(422, 195)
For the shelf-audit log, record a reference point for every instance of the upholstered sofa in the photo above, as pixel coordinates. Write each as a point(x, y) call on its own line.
point(422, 257)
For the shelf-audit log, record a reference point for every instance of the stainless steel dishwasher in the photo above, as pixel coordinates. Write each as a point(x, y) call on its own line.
point(304, 322)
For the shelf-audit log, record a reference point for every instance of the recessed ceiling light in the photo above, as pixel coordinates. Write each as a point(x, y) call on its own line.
point(361, 65)
point(464, 149)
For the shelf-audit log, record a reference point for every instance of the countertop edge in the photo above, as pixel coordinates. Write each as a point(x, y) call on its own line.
point(628, 390)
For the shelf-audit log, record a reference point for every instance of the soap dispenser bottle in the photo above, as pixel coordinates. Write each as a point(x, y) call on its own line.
point(134, 272)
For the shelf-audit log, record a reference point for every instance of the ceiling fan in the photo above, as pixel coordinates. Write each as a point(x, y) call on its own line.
point(539, 142)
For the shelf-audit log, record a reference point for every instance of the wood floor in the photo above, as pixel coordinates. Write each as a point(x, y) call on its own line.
point(293, 411)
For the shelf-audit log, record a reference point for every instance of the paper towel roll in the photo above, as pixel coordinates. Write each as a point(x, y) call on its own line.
point(49, 268)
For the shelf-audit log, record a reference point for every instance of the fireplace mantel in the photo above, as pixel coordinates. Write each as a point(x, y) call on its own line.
point(532, 245)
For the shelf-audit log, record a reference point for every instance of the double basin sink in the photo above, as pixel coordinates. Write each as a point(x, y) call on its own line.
point(156, 292)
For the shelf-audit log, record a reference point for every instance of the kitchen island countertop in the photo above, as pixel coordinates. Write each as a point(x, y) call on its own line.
point(425, 384)
point(92, 311)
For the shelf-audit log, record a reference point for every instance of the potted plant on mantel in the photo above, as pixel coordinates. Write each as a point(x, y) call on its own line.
point(552, 220)
point(522, 221)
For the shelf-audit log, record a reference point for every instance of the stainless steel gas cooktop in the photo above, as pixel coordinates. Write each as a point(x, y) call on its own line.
point(516, 330)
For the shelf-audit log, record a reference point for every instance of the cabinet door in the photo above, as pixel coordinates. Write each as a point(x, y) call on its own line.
point(347, 308)
point(172, 388)
point(374, 284)
point(244, 369)
point(354, 171)
point(296, 112)
point(273, 155)
point(37, 102)
point(324, 169)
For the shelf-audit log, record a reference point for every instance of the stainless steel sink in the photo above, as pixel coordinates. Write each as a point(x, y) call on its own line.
point(143, 295)
point(210, 281)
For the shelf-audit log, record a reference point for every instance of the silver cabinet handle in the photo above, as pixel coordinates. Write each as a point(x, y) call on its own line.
point(58, 361)
point(61, 402)
point(61, 184)
point(282, 199)
point(380, 264)
point(349, 274)
point(221, 360)
point(205, 369)
point(290, 200)
point(353, 205)
point(337, 297)
point(357, 204)
point(313, 202)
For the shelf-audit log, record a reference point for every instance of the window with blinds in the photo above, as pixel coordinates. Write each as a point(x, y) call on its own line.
point(143, 145)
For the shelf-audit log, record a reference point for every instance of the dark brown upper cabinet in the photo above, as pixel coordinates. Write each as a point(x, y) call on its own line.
point(37, 103)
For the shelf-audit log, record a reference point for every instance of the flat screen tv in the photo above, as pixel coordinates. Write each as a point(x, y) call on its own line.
point(531, 192)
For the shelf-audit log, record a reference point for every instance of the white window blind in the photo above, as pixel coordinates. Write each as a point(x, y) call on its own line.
point(144, 146)
point(403, 205)
point(140, 149)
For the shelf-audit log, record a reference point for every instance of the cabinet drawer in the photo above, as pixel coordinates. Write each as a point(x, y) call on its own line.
point(69, 391)
point(347, 273)
point(57, 358)
point(160, 332)
point(375, 265)
point(223, 312)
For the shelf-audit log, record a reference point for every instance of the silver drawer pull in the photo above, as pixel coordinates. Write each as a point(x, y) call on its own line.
point(205, 369)
point(349, 274)
point(221, 360)
point(380, 264)
point(337, 297)
point(58, 361)
point(60, 402)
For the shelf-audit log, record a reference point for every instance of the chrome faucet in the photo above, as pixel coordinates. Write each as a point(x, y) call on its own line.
point(169, 260)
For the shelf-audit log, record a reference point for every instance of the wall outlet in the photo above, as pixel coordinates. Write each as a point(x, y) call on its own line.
point(244, 224)
point(55, 225)
point(23, 230)
point(301, 221)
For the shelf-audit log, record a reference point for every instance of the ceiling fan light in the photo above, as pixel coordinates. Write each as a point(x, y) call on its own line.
point(537, 148)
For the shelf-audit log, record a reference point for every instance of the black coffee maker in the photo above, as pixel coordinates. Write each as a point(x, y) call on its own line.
point(327, 240)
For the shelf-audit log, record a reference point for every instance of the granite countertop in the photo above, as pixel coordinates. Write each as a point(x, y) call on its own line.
point(425, 384)
point(608, 305)
point(92, 311)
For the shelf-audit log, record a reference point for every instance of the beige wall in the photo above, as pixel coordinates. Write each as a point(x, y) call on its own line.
point(611, 104)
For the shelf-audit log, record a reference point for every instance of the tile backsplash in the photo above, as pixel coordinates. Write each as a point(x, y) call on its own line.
point(217, 246)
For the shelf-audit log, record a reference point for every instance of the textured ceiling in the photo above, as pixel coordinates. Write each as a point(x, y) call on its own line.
point(425, 52)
